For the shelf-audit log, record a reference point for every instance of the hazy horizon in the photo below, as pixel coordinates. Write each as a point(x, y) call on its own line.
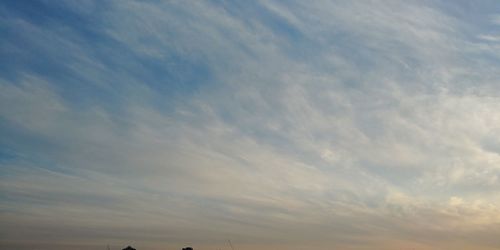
point(278, 125)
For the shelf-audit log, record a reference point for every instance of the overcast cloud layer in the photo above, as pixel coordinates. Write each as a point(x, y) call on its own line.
point(275, 124)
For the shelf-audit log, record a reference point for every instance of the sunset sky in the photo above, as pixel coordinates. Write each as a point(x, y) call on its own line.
point(278, 125)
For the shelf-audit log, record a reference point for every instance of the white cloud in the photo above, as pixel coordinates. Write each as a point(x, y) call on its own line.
point(356, 133)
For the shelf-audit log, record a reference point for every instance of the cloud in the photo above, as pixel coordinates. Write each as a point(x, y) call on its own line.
point(327, 124)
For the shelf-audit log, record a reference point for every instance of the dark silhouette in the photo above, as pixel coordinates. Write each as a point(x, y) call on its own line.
point(129, 248)
point(187, 248)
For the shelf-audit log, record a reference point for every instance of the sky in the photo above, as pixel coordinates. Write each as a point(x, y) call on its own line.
point(278, 125)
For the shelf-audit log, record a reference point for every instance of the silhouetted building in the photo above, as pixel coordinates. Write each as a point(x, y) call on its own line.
point(129, 248)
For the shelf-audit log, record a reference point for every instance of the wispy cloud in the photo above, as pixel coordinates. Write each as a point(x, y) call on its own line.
point(353, 125)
